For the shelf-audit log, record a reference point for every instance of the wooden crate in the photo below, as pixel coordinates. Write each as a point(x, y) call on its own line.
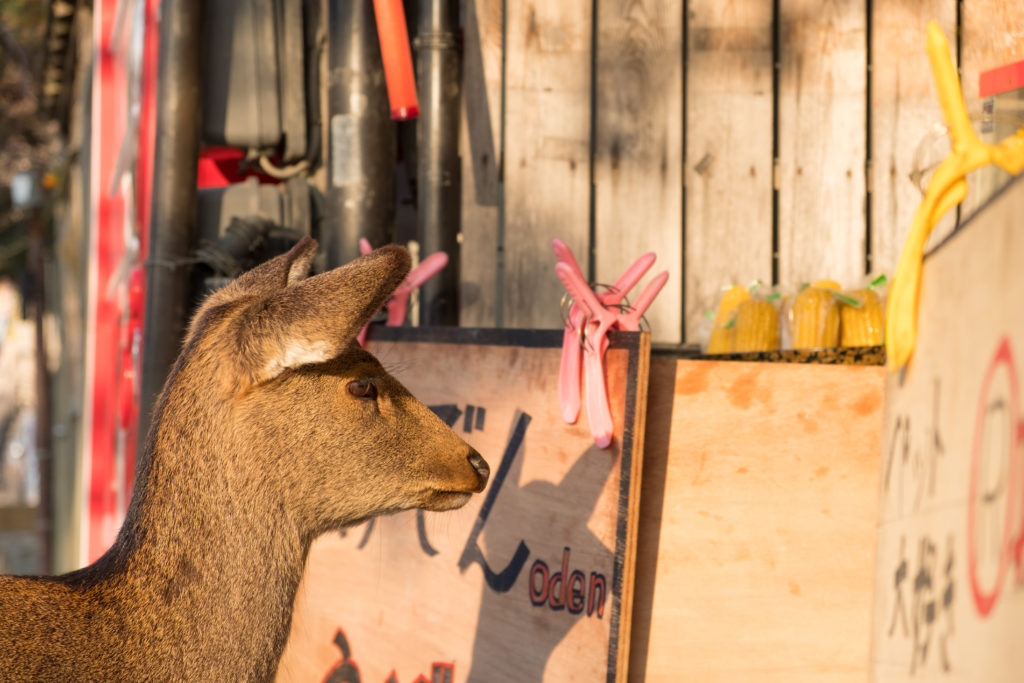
point(757, 522)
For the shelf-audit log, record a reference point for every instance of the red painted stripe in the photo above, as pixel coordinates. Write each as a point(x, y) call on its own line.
point(112, 324)
point(110, 114)
point(1001, 79)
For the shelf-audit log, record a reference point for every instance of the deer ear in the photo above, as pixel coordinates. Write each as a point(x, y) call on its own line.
point(280, 271)
point(263, 280)
point(313, 320)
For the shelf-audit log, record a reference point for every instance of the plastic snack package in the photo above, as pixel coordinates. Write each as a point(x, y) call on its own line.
point(862, 314)
point(747, 319)
point(815, 315)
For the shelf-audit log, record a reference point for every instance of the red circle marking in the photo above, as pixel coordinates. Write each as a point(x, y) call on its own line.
point(985, 601)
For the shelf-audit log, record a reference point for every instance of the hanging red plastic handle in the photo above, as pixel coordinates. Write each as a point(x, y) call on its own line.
point(394, 50)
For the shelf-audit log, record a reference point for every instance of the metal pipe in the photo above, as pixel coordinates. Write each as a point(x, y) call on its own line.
point(173, 222)
point(361, 160)
point(438, 169)
point(44, 426)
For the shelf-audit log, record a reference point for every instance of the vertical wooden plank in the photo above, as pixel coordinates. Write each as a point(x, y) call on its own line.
point(638, 148)
point(822, 131)
point(729, 150)
point(904, 109)
point(547, 152)
point(992, 35)
point(480, 145)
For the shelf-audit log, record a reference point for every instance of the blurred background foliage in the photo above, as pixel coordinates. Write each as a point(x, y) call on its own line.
point(27, 139)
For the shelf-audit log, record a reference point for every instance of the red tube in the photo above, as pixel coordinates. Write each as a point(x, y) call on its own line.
point(394, 49)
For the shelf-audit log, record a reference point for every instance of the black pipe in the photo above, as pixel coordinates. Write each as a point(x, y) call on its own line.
point(360, 198)
point(44, 401)
point(173, 212)
point(311, 28)
point(438, 181)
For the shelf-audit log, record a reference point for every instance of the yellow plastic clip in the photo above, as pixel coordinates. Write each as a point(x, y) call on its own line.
point(946, 189)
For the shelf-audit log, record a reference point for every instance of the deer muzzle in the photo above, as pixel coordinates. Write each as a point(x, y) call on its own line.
point(483, 470)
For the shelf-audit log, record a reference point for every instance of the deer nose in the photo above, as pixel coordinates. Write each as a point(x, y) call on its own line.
point(483, 470)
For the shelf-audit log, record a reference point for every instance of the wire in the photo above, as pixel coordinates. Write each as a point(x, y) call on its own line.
point(285, 172)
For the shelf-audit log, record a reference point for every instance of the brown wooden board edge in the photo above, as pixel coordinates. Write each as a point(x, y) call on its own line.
point(638, 346)
point(840, 355)
point(633, 430)
point(966, 222)
point(492, 336)
point(856, 355)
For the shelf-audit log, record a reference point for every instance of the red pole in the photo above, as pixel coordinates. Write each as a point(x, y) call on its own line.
point(394, 49)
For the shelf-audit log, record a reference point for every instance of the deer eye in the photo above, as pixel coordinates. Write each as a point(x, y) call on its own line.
point(363, 388)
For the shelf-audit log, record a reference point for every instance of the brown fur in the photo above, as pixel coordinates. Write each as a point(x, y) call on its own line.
point(257, 446)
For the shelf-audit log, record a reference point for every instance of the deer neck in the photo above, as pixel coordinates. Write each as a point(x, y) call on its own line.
point(206, 554)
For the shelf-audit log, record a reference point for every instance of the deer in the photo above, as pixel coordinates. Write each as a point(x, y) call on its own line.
point(273, 427)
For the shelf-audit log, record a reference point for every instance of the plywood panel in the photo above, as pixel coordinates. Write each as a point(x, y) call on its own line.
point(480, 147)
point(638, 148)
point(757, 525)
point(822, 140)
point(465, 592)
point(547, 153)
point(904, 112)
point(729, 151)
point(949, 598)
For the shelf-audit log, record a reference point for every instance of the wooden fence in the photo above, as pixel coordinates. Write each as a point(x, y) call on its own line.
point(740, 140)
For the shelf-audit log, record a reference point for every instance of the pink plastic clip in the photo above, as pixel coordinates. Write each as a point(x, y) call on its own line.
point(572, 344)
point(591, 317)
point(398, 304)
point(600, 320)
point(399, 301)
point(572, 341)
point(630, 320)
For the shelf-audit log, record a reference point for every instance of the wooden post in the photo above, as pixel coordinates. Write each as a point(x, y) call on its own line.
point(480, 139)
point(638, 148)
point(547, 153)
point(904, 112)
point(822, 134)
point(728, 151)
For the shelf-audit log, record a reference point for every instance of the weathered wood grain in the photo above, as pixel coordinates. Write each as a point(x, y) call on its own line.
point(638, 149)
point(992, 35)
point(729, 151)
point(904, 114)
point(547, 153)
point(822, 140)
point(480, 147)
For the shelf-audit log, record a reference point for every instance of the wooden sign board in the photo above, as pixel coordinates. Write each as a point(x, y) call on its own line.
point(757, 523)
point(531, 581)
point(949, 582)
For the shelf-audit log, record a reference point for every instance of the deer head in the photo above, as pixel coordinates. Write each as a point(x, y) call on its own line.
point(313, 417)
